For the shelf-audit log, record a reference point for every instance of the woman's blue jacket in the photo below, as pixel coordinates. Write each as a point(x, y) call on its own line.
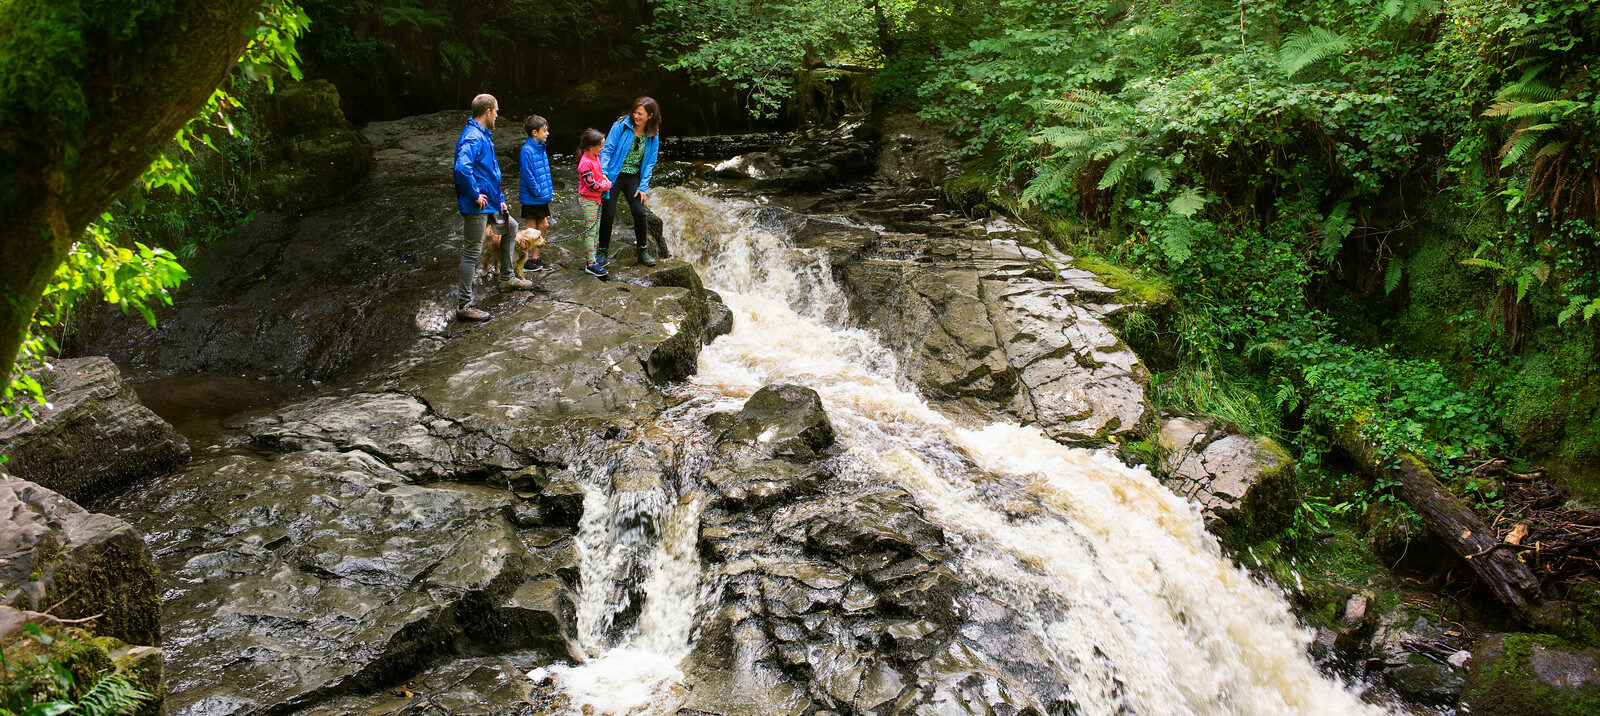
point(618, 141)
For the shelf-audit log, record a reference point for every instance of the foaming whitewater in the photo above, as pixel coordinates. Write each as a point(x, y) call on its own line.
point(639, 563)
point(1115, 575)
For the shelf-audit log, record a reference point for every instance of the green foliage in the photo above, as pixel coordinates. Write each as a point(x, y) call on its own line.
point(45, 685)
point(126, 273)
point(759, 46)
point(1308, 46)
point(134, 279)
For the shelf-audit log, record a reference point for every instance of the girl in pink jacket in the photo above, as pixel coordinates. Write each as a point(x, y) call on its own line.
point(592, 184)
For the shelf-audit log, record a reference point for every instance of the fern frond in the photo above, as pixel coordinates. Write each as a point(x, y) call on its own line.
point(1518, 145)
point(1175, 240)
point(113, 695)
point(1159, 179)
point(1188, 202)
point(1392, 274)
point(1309, 46)
point(1116, 169)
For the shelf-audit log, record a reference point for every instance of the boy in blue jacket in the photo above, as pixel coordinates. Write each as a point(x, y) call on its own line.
point(477, 178)
point(535, 188)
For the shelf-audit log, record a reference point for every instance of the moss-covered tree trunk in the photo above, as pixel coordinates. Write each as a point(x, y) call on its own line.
point(1457, 526)
point(89, 92)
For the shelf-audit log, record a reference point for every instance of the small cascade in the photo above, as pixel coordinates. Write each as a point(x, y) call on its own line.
point(1131, 599)
point(641, 590)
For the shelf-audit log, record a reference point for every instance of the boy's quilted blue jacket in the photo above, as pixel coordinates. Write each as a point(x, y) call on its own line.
point(536, 186)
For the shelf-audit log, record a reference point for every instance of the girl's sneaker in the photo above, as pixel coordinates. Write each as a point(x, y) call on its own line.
point(597, 270)
point(601, 258)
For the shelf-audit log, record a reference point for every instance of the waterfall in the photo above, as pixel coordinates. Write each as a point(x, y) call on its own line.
point(1116, 576)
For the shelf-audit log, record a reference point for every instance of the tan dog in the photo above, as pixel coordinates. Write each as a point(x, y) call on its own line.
point(528, 242)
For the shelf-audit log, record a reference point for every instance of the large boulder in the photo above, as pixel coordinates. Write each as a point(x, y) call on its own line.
point(1526, 673)
point(273, 565)
point(1241, 480)
point(840, 593)
point(785, 421)
point(93, 436)
point(976, 319)
point(56, 556)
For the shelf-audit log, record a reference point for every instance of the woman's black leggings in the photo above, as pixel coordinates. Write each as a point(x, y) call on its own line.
point(627, 183)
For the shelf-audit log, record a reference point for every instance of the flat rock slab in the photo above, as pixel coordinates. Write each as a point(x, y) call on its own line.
point(586, 349)
point(93, 436)
point(317, 573)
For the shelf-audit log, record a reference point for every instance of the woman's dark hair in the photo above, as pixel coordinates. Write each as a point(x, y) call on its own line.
point(533, 123)
point(591, 137)
point(652, 126)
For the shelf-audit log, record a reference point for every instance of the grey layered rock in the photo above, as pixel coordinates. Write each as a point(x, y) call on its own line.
point(57, 556)
point(839, 595)
point(273, 565)
point(974, 321)
point(785, 421)
point(93, 437)
point(1230, 475)
point(341, 291)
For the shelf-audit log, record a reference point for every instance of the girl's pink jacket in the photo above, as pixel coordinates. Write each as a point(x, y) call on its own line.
point(592, 181)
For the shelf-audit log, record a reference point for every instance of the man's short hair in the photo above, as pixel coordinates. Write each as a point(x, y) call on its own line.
point(482, 103)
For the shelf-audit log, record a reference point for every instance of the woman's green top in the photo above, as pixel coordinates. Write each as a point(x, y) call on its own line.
point(635, 156)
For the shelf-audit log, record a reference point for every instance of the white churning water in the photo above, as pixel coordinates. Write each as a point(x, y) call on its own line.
point(1116, 576)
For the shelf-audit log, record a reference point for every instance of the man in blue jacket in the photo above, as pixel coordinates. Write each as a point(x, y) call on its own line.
point(477, 175)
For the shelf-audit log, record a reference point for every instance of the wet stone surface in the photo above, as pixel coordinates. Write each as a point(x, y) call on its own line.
point(977, 320)
point(838, 596)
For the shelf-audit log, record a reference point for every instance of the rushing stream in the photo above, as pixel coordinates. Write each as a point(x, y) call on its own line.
point(1137, 609)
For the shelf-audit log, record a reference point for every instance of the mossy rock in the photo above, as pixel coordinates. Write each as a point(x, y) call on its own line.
point(305, 107)
point(318, 170)
point(87, 657)
point(1515, 674)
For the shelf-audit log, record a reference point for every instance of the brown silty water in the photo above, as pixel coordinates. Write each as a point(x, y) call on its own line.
point(1135, 606)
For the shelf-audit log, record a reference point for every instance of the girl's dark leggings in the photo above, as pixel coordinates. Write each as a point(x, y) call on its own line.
point(625, 185)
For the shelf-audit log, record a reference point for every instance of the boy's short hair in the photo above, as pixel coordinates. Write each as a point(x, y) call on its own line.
point(482, 103)
point(533, 123)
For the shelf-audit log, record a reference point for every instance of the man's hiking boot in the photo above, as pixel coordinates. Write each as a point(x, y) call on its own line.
point(645, 257)
point(597, 270)
point(471, 313)
point(516, 284)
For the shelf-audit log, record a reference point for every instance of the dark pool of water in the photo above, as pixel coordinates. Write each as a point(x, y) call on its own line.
point(198, 404)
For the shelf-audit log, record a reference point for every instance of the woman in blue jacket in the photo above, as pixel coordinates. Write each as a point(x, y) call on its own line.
point(629, 158)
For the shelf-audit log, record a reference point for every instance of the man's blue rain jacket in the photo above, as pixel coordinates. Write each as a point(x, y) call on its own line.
point(477, 171)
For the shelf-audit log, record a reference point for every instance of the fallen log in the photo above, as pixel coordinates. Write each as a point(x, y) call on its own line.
point(1457, 526)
